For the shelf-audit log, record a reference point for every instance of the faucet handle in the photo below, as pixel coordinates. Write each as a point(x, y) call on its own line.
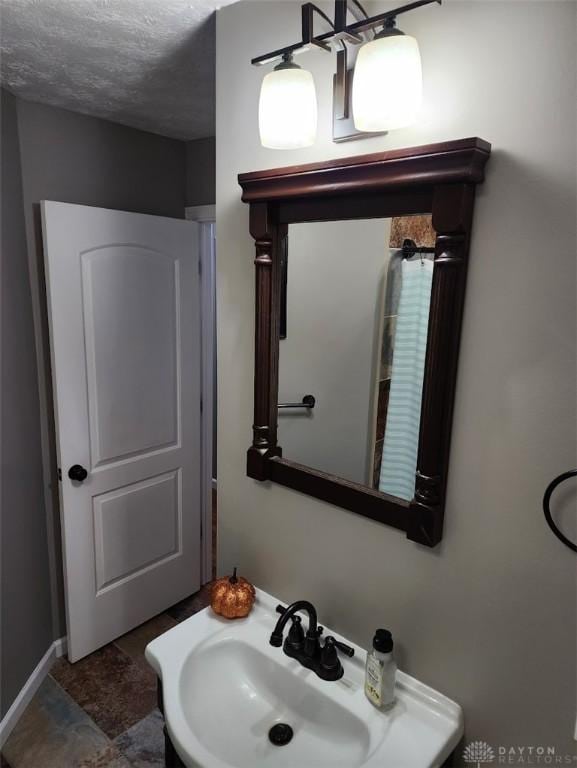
point(276, 639)
point(344, 648)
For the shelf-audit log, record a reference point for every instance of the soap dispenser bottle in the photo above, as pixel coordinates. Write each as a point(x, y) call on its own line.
point(381, 671)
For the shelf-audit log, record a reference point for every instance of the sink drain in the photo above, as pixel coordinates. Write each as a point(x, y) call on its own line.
point(280, 734)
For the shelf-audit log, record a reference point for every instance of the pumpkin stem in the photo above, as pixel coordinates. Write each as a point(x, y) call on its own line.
point(233, 578)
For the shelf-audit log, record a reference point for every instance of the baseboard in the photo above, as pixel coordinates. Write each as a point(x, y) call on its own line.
point(57, 649)
point(61, 647)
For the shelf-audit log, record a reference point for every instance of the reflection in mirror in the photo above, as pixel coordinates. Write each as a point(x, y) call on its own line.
point(357, 312)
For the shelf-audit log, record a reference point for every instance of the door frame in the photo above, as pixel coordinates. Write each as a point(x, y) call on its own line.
point(205, 215)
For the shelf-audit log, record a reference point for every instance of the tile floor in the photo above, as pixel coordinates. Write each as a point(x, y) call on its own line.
point(100, 712)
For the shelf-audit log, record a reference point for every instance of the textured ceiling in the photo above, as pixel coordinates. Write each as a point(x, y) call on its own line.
point(144, 63)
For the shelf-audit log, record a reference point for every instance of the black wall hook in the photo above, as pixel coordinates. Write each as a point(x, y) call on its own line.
point(410, 248)
point(546, 500)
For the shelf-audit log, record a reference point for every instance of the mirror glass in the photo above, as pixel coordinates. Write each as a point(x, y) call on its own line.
point(355, 336)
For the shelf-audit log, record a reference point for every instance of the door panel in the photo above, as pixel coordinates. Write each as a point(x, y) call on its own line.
point(131, 309)
point(136, 527)
point(124, 313)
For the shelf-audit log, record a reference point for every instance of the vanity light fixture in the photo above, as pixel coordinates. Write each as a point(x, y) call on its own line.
point(384, 94)
point(388, 83)
point(287, 110)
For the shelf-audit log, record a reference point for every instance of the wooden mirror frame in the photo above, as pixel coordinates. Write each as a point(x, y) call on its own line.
point(437, 179)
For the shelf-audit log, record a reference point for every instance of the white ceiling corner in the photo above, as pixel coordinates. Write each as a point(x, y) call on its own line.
point(144, 63)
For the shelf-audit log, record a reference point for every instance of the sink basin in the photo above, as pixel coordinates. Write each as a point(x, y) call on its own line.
point(224, 687)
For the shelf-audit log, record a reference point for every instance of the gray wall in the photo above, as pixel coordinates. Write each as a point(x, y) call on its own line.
point(488, 617)
point(73, 158)
point(200, 171)
point(333, 326)
point(25, 617)
point(76, 159)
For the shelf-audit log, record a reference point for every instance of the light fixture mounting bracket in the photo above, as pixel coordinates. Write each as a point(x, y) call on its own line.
point(340, 33)
point(340, 30)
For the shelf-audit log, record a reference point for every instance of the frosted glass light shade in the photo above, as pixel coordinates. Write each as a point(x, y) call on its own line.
point(287, 110)
point(387, 83)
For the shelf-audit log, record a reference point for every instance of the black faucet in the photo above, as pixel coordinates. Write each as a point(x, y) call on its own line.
point(306, 647)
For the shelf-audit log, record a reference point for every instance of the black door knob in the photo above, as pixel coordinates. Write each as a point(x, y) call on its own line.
point(77, 472)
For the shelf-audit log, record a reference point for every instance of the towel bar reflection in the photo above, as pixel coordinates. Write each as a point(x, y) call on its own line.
point(307, 402)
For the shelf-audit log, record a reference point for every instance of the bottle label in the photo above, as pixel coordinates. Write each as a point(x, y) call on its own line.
point(374, 680)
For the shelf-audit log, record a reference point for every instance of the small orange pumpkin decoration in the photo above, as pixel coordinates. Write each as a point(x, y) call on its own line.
point(232, 596)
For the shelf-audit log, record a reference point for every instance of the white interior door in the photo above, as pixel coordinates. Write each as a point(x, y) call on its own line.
point(123, 299)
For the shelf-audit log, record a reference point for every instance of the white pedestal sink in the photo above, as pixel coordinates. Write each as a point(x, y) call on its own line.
point(224, 687)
